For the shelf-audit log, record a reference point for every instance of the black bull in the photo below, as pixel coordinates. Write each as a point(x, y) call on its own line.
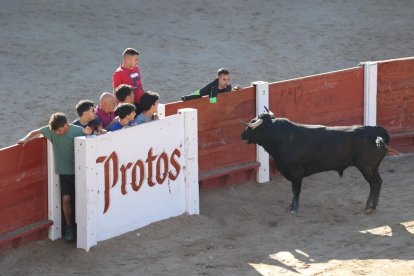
point(300, 150)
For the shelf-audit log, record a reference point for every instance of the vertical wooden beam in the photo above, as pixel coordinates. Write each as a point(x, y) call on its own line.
point(86, 192)
point(54, 197)
point(191, 160)
point(262, 100)
point(370, 92)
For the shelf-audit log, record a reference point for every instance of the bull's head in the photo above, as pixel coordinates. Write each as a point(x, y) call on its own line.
point(255, 128)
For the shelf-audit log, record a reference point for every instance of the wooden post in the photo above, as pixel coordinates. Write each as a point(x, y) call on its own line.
point(262, 100)
point(86, 192)
point(370, 92)
point(54, 197)
point(191, 160)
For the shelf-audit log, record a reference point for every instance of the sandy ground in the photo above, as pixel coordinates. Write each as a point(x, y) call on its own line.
point(246, 230)
point(55, 53)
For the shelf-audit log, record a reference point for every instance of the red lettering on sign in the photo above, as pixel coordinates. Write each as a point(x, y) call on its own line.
point(149, 160)
point(107, 160)
point(175, 164)
point(141, 167)
point(162, 176)
point(164, 167)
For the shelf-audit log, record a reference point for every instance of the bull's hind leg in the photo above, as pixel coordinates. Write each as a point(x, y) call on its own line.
point(374, 179)
point(296, 188)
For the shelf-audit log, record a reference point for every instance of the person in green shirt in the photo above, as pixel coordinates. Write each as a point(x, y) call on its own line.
point(62, 135)
point(220, 85)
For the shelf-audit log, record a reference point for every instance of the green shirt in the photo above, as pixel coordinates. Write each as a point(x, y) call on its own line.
point(63, 148)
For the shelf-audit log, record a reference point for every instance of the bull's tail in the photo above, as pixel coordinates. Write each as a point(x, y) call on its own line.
point(382, 144)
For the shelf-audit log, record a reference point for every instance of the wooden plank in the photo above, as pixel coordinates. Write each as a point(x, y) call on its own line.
point(24, 231)
point(31, 236)
point(18, 158)
point(20, 192)
point(396, 95)
point(228, 170)
point(334, 98)
point(27, 212)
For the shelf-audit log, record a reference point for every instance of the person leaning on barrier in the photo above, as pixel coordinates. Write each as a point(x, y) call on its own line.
point(220, 85)
point(62, 136)
point(87, 117)
point(106, 108)
point(126, 114)
point(149, 105)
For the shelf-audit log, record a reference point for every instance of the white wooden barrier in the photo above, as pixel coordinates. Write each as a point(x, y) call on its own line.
point(262, 101)
point(370, 92)
point(132, 177)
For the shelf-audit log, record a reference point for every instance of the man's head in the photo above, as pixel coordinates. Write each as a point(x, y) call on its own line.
point(149, 101)
point(131, 58)
point(85, 109)
point(223, 76)
point(124, 93)
point(58, 123)
point(125, 110)
point(107, 102)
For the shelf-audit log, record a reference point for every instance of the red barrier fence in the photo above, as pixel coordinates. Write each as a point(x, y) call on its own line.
point(223, 157)
point(335, 98)
point(395, 107)
point(23, 193)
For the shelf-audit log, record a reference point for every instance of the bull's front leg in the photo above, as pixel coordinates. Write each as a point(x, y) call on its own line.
point(296, 188)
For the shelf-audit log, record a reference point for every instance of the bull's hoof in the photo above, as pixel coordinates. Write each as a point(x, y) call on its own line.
point(293, 211)
point(369, 211)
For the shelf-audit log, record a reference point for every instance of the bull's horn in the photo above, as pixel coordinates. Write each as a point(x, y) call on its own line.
point(270, 112)
point(256, 124)
point(244, 123)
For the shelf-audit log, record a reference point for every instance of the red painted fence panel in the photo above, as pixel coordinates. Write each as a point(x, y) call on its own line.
point(395, 108)
point(335, 98)
point(220, 148)
point(23, 190)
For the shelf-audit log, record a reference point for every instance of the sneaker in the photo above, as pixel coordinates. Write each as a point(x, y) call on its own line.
point(69, 233)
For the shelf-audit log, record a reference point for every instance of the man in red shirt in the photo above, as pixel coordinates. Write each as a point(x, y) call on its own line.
point(129, 73)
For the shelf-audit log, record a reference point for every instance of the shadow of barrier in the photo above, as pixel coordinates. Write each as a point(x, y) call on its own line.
point(374, 93)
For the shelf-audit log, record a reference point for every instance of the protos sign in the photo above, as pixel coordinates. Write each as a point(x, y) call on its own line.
point(132, 177)
point(153, 168)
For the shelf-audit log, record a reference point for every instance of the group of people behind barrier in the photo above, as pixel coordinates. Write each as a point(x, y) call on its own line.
point(129, 105)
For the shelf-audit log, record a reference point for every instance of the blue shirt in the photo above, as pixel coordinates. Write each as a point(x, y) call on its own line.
point(115, 126)
point(140, 119)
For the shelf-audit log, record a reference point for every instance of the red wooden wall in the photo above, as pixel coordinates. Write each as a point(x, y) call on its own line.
point(395, 108)
point(23, 193)
point(335, 98)
point(221, 152)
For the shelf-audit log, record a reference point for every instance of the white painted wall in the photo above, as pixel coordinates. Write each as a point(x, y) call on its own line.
point(127, 209)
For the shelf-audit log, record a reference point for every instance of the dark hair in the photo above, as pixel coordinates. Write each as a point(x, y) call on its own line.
point(123, 91)
point(148, 99)
point(124, 110)
point(222, 71)
point(130, 51)
point(57, 120)
point(83, 106)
